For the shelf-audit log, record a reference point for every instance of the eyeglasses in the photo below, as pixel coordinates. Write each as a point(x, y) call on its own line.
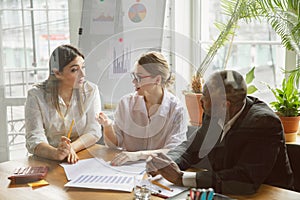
point(138, 78)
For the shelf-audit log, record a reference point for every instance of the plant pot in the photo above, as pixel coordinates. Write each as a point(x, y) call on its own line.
point(290, 127)
point(290, 124)
point(194, 107)
point(290, 137)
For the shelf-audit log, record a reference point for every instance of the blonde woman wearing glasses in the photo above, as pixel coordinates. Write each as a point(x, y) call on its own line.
point(150, 120)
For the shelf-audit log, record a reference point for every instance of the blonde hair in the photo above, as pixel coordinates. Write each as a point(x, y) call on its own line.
point(156, 64)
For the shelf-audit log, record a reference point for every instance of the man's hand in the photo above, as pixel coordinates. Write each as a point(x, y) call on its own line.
point(125, 156)
point(162, 164)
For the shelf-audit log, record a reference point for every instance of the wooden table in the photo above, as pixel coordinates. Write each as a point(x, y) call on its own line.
point(56, 178)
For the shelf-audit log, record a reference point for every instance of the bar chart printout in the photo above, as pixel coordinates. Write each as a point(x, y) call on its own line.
point(121, 182)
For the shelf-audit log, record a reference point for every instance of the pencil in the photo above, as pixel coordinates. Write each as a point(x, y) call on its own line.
point(161, 185)
point(70, 130)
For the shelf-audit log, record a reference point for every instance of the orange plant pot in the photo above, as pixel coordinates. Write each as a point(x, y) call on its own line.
point(290, 127)
point(194, 107)
point(290, 124)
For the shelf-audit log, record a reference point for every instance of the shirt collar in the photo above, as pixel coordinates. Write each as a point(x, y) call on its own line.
point(165, 104)
point(232, 120)
point(228, 125)
point(163, 109)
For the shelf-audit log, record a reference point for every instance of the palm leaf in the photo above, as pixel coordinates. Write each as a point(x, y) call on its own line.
point(234, 8)
point(283, 16)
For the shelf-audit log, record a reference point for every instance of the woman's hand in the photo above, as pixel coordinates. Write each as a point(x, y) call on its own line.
point(72, 157)
point(125, 156)
point(63, 148)
point(103, 119)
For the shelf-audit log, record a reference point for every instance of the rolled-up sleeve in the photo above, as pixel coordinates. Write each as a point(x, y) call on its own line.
point(178, 128)
point(94, 107)
point(35, 132)
point(119, 120)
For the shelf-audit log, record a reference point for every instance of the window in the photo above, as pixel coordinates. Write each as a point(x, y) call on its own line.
point(30, 30)
point(255, 44)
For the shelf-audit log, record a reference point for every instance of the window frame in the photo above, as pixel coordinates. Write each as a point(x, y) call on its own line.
point(9, 103)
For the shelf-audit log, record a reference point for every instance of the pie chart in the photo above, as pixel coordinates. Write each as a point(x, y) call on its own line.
point(137, 12)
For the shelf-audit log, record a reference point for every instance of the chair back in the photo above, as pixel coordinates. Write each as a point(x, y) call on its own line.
point(293, 151)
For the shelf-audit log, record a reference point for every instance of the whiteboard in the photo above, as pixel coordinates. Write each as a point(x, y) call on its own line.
point(114, 34)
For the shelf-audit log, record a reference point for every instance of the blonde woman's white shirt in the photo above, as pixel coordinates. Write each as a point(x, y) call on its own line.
point(136, 131)
point(44, 124)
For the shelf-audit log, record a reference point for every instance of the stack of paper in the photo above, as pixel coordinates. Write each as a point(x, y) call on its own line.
point(101, 181)
point(97, 174)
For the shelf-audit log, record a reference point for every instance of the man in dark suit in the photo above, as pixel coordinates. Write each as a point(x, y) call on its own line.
point(241, 138)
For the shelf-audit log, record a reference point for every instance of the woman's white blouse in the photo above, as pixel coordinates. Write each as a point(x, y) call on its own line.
point(136, 131)
point(44, 124)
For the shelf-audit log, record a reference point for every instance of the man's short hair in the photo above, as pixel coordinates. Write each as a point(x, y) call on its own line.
point(232, 82)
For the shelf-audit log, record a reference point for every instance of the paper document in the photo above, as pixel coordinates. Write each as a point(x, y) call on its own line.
point(103, 181)
point(97, 165)
point(131, 168)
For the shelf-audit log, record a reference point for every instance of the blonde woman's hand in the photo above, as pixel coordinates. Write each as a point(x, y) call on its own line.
point(103, 119)
point(125, 156)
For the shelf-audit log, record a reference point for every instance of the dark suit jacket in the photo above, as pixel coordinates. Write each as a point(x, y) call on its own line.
point(252, 152)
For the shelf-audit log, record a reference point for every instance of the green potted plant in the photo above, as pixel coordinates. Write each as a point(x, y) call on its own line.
point(236, 11)
point(192, 101)
point(287, 107)
point(283, 16)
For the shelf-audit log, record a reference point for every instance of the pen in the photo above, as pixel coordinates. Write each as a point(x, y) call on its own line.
point(159, 195)
point(203, 194)
point(197, 196)
point(161, 185)
point(210, 195)
point(192, 194)
point(70, 130)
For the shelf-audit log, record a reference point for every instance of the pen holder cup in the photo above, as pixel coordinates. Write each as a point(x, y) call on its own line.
point(142, 189)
